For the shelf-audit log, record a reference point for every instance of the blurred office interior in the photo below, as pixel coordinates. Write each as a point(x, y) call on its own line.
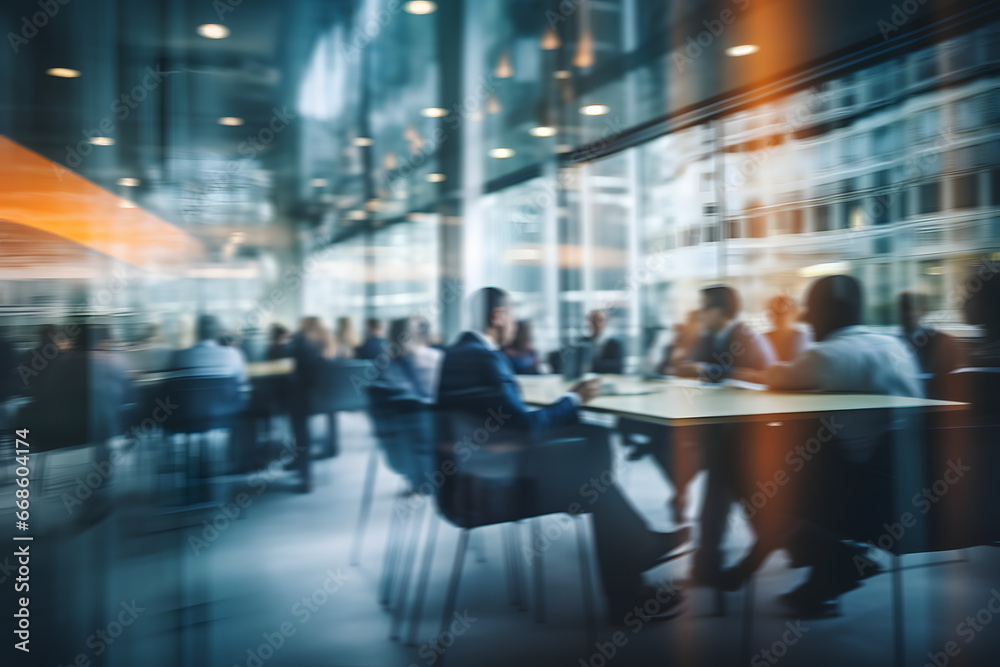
point(264, 161)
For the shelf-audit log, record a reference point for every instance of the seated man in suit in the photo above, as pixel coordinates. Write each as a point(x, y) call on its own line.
point(607, 355)
point(846, 357)
point(477, 379)
point(936, 352)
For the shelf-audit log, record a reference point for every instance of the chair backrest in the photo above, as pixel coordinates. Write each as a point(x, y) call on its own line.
point(404, 429)
point(341, 385)
point(481, 481)
point(204, 403)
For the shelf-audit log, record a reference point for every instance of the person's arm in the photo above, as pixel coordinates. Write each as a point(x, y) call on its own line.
point(800, 375)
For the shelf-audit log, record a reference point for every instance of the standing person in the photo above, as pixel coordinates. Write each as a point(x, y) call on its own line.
point(426, 358)
point(787, 340)
point(311, 347)
point(521, 352)
point(279, 340)
point(374, 344)
point(346, 338)
point(476, 379)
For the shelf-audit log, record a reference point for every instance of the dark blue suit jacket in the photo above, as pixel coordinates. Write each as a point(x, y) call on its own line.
point(480, 381)
point(743, 348)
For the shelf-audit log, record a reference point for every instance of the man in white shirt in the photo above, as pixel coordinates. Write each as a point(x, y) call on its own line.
point(846, 357)
point(207, 358)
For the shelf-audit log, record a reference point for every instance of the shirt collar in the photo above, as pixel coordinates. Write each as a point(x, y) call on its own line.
point(485, 340)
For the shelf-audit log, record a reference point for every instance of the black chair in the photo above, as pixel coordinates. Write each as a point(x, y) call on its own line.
point(206, 406)
point(341, 387)
point(492, 486)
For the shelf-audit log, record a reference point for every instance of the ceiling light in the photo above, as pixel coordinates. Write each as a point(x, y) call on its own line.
point(230, 121)
point(504, 70)
point(237, 237)
point(501, 153)
point(102, 141)
point(319, 182)
point(213, 31)
point(543, 131)
point(742, 50)
point(63, 72)
point(356, 215)
point(594, 110)
point(128, 182)
point(433, 112)
point(934, 270)
point(436, 178)
point(124, 203)
point(550, 40)
point(562, 74)
point(420, 7)
point(363, 141)
point(584, 56)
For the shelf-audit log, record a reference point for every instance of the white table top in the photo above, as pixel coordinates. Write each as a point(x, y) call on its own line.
point(679, 401)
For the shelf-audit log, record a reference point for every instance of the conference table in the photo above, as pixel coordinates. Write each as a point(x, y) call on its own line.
point(676, 401)
point(680, 401)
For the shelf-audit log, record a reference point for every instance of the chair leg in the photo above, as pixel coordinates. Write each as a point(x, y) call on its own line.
point(508, 561)
point(585, 581)
point(539, 571)
point(407, 565)
point(332, 435)
point(899, 647)
point(389, 561)
point(748, 602)
point(366, 506)
point(425, 572)
point(456, 575)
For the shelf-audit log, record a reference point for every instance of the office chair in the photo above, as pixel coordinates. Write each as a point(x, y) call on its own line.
point(341, 388)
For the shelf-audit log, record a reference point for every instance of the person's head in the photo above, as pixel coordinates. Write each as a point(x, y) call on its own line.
point(278, 333)
point(209, 327)
point(313, 330)
point(982, 300)
point(720, 304)
point(402, 333)
point(490, 313)
point(523, 337)
point(912, 307)
point(783, 312)
point(373, 327)
point(832, 303)
point(345, 333)
point(597, 320)
point(422, 330)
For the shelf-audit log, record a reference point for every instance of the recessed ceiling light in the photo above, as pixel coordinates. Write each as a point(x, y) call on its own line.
point(63, 72)
point(420, 7)
point(742, 50)
point(543, 131)
point(357, 215)
point(562, 74)
point(436, 178)
point(125, 203)
point(319, 182)
point(363, 141)
point(102, 141)
point(433, 112)
point(128, 182)
point(213, 31)
point(594, 110)
point(230, 121)
point(501, 153)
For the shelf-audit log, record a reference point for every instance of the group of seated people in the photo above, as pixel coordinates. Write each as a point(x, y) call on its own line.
point(839, 354)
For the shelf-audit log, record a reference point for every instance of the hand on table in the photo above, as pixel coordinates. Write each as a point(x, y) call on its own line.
point(587, 390)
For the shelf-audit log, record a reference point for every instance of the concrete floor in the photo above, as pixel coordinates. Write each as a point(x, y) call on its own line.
point(218, 600)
